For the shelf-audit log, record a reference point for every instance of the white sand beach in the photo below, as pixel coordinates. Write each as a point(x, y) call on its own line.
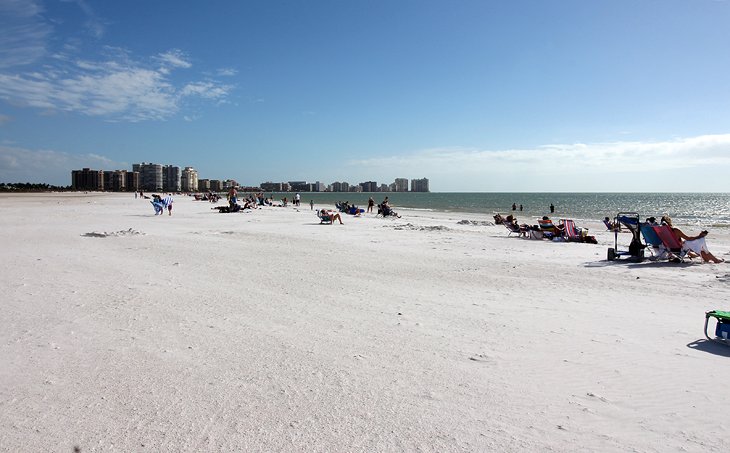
point(266, 331)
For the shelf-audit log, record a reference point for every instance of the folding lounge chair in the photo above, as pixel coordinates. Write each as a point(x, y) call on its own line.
point(515, 229)
point(569, 231)
point(549, 230)
point(670, 241)
point(611, 226)
point(324, 218)
point(722, 329)
point(652, 241)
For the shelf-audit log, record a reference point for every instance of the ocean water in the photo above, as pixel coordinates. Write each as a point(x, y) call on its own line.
point(701, 209)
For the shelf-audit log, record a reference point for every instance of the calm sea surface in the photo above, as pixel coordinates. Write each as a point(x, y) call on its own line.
point(706, 209)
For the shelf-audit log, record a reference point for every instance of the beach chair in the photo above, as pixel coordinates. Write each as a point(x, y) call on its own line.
point(670, 242)
point(652, 241)
point(569, 231)
point(324, 218)
point(549, 230)
point(609, 225)
point(722, 328)
point(514, 228)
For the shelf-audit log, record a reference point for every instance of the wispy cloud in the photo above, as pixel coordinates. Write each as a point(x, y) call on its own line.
point(23, 33)
point(4, 119)
point(49, 166)
point(227, 72)
point(174, 58)
point(556, 166)
point(116, 86)
point(118, 90)
point(93, 22)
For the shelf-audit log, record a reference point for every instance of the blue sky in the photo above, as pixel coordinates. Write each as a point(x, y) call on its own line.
point(621, 95)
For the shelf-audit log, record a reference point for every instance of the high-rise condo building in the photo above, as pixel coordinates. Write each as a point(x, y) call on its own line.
point(401, 185)
point(87, 179)
point(115, 181)
point(189, 180)
point(419, 185)
point(216, 185)
point(150, 176)
point(369, 186)
point(132, 181)
point(171, 178)
point(340, 186)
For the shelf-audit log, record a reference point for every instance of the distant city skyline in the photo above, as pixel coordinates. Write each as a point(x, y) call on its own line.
point(172, 178)
point(529, 96)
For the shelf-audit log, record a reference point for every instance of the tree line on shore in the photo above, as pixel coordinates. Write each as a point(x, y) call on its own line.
point(31, 187)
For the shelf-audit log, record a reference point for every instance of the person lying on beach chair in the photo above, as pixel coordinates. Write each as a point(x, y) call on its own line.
point(329, 216)
point(385, 210)
point(514, 227)
point(692, 245)
point(548, 228)
point(611, 226)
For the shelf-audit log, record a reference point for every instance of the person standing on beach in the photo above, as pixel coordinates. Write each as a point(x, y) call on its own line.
point(371, 204)
point(167, 201)
point(311, 205)
point(297, 199)
point(157, 204)
point(552, 208)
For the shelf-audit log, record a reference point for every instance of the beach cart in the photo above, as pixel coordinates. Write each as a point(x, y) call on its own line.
point(722, 328)
point(635, 252)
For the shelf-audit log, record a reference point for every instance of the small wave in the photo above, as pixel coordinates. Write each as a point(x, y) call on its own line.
point(419, 209)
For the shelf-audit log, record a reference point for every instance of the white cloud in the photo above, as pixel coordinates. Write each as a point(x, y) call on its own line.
point(174, 58)
point(227, 72)
point(671, 165)
point(208, 90)
point(48, 166)
point(23, 33)
point(118, 90)
point(93, 22)
point(116, 86)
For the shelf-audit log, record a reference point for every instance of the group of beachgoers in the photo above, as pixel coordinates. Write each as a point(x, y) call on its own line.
point(384, 208)
point(694, 246)
point(345, 207)
point(564, 230)
point(160, 204)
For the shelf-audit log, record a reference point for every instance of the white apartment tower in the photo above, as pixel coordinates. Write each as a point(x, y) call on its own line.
point(189, 180)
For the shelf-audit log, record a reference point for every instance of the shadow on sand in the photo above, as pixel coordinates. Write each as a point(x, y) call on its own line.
point(710, 347)
point(632, 264)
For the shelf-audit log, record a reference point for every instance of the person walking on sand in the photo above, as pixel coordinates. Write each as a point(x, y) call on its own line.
point(311, 205)
point(157, 204)
point(167, 201)
point(371, 204)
